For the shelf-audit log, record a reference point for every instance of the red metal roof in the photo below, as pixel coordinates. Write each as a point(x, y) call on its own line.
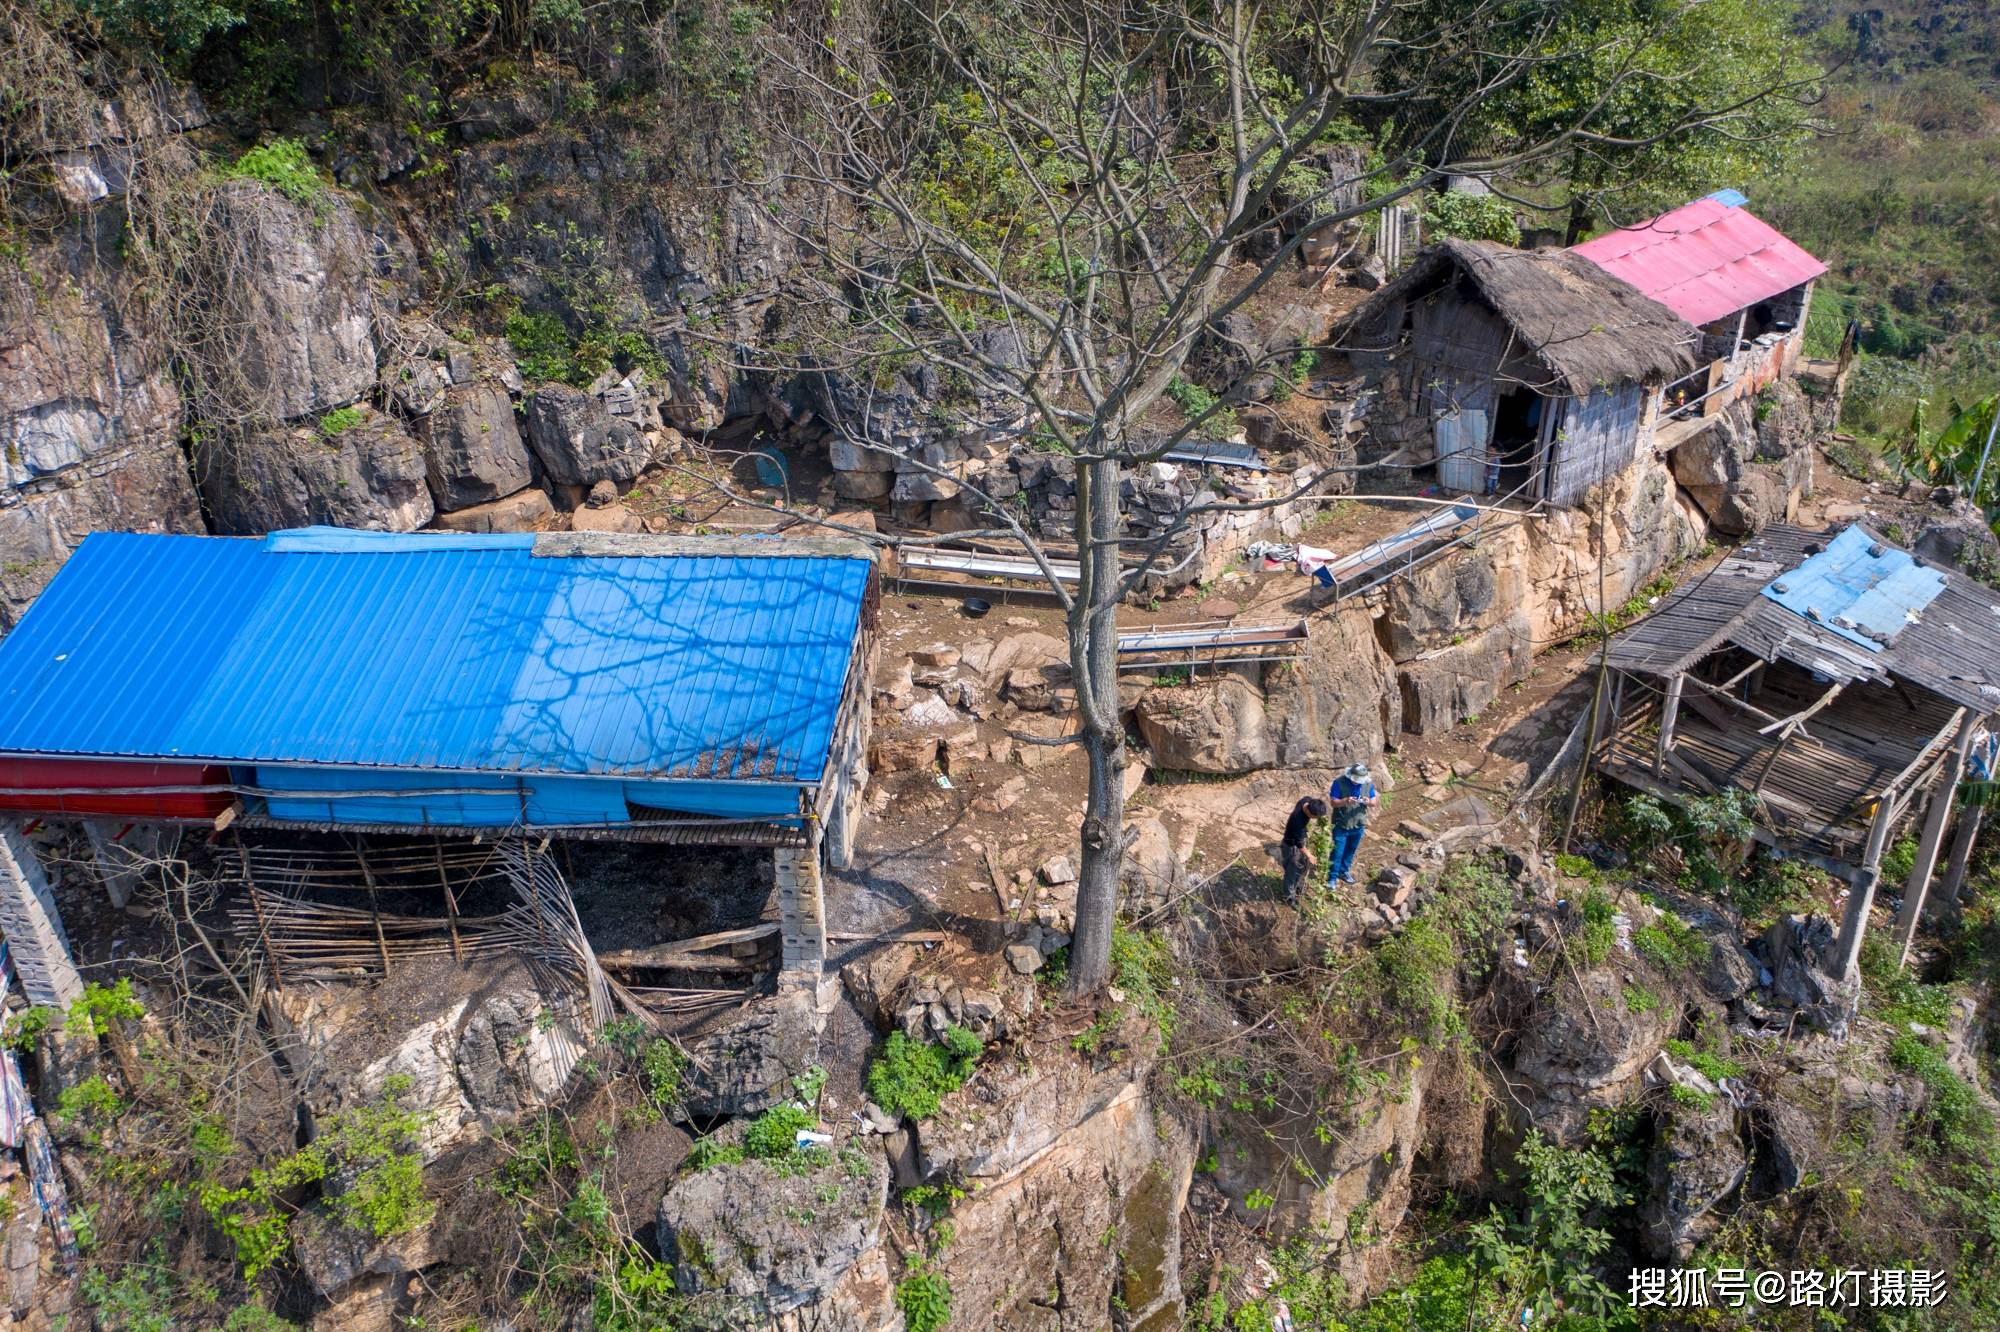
point(1704, 260)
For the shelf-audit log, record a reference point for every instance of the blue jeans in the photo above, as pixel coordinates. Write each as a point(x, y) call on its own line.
point(1340, 857)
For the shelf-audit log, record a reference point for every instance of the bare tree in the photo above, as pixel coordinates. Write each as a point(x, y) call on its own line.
point(1050, 203)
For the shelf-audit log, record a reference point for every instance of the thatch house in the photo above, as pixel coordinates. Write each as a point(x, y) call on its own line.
point(1530, 373)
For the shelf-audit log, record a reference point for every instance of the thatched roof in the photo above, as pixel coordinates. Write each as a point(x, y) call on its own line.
point(1588, 328)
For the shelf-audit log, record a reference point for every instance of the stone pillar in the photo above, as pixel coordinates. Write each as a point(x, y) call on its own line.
point(801, 910)
point(34, 932)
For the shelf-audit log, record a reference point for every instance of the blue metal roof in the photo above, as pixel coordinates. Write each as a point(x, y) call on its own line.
point(1863, 590)
point(459, 653)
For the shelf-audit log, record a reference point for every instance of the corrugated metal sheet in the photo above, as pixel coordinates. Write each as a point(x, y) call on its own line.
point(1862, 590)
point(449, 653)
point(1704, 260)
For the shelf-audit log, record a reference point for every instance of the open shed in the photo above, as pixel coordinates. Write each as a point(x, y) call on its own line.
point(694, 691)
point(1836, 680)
point(1535, 369)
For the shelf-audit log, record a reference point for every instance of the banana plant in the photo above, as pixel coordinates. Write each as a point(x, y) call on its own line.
point(1950, 456)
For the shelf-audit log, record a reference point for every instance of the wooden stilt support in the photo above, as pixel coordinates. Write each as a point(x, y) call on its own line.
point(1969, 821)
point(1861, 898)
point(1918, 884)
point(263, 924)
point(450, 902)
point(374, 906)
point(1669, 713)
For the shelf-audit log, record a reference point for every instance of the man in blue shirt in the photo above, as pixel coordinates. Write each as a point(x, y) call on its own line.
point(1352, 796)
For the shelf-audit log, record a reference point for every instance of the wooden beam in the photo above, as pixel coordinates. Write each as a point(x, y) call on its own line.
point(1798, 719)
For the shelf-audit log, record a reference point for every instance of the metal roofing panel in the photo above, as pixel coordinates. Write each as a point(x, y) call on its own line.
point(1704, 260)
point(414, 652)
point(1865, 591)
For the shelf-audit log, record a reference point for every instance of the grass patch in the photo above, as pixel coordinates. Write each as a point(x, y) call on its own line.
point(1598, 933)
point(1670, 943)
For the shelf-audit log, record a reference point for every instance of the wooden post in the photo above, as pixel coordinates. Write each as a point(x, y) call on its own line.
point(1861, 898)
point(450, 901)
point(1669, 712)
point(1969, 820)
point(374, 906)
point(1918, 884)
point(257, 905)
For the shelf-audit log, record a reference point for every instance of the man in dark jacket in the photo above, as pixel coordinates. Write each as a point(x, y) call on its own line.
point(1292, 850)
point(1352, 796)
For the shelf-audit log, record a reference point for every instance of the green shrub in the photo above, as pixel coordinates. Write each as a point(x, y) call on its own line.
point(773, 1136)
point(339, 421)
point(285, 166)
point(1710, 1065)
point(372, 1148)
point(924, 1296)
point(1472, 217)
point(663, 1066)
point(542, 347)
point(1198, 404)
point(1598, 933)
point(909, 1078)
point(1670, 943)
point(1952, 1109)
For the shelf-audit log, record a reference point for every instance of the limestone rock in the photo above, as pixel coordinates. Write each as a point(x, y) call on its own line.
point(1450, 684)
point(333, 1256)
point(301, 296)
point(579, 441)
point(1152, 871)
point(1579, 1049)
point(1453, 598)
point(370, 475)
point(89, 426)
point(1216, 725)
point(525, 511)
point(744, 1068)
point(608, 518)
point(1098, 1162)
point(1340, 705)
point(769, 1242)
point(1024, 958)
point(1697, 1161)
point(473, 451)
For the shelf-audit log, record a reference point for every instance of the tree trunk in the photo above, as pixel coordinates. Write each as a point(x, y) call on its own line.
point(1579, 202)
point(1093, 650)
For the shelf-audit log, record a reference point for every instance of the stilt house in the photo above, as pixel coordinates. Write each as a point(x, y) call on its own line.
point(1835, 680)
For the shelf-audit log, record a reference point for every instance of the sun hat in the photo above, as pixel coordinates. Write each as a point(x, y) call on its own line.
point(1357, 772)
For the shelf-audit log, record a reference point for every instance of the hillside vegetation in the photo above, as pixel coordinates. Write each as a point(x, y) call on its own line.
point(1903, 202)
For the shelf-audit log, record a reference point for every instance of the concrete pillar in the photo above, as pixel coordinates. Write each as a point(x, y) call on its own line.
point(32, 926)
point(120, 860)
point(801, 909)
